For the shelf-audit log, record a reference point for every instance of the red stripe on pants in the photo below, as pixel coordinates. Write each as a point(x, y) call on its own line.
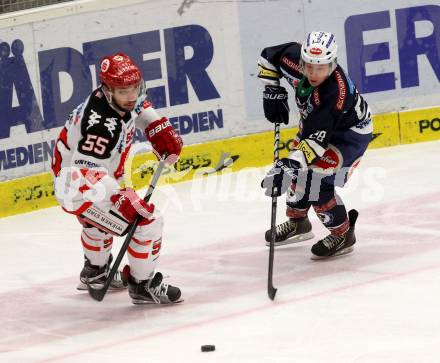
point(135, 254)
point(89, 247)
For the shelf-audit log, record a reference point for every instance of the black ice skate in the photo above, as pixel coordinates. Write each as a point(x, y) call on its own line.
point(291, 231)
point(152, 291)
point(333, 245)
point(96, 276)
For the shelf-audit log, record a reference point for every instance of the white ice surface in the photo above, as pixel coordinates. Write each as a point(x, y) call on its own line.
point(380, 304)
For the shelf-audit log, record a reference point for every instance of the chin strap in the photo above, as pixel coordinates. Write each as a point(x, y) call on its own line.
point(333, 66)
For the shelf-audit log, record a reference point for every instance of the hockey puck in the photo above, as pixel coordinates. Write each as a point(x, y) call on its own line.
point(208, 348)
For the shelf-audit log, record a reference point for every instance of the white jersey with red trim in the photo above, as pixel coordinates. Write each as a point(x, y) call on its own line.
point(93, 146)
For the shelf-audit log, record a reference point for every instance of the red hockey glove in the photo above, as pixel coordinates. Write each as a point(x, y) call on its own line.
point(166, 142)
point(128, 203)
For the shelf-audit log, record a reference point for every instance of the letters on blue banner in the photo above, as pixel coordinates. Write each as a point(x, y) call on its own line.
point(14, 76)
point(409, 45)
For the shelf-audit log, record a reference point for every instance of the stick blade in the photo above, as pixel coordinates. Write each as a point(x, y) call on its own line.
point(353, 216)
point(96, 294)
point(271, 291)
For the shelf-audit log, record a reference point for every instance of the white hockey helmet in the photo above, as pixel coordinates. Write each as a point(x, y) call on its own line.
point(320, 48)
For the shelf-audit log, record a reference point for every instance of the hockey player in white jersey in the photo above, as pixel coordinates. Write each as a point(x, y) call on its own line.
point(88, 164)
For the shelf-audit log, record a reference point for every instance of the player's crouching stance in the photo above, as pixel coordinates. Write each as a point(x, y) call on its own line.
point(335, 129)
point(88, 163)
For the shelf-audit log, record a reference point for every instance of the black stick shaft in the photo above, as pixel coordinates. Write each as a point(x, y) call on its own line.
point(271, 290)
point(98, 294)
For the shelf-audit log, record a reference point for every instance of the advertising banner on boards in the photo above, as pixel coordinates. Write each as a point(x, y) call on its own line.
point(199, 64)
point(49, 67)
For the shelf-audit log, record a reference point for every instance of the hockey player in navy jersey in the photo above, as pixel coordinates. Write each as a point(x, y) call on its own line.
point(335, 129)
point(88, 164)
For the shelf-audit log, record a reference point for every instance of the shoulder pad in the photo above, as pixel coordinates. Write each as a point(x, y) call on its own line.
point(291, 57)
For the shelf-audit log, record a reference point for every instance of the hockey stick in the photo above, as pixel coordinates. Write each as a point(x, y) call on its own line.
point(98, 294)
point(271, 290)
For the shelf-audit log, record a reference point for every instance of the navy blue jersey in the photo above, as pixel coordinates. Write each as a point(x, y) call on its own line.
point(328, 109)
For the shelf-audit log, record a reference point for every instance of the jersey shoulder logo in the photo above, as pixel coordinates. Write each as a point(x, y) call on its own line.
point(141, 106)
point(291, 64)
point(94, 119)
point(342, 91)
point(110, 123)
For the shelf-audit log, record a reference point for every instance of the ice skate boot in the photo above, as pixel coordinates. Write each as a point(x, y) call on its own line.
point(152, 291)
point(96, 276)
point(334, 245)
point(291, 231)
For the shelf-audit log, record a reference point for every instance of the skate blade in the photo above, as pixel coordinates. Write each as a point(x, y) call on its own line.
point(295, 239)
point(83, 287)
point(151, 302)
point(343, 252)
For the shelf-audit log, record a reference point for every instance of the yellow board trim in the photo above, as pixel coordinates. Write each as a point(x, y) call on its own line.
point(420, 125)
point(26, 194)
point(385, 130)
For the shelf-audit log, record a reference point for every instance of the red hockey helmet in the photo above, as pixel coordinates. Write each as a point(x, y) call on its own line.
point(119, 70)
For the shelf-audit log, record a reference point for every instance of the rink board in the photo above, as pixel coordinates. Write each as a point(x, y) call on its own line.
point(202, 160)
point(420, 125)
point(196, 161)
point(385, 130)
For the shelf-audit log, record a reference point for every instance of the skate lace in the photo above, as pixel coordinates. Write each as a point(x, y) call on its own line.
point(332, 240)
point(102, 277)
point(285, 228)
point(92, 279)
point(118, 276)
point(158, 292)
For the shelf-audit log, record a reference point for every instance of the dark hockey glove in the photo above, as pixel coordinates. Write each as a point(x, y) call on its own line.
point(276, 108)
point(279, 178)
